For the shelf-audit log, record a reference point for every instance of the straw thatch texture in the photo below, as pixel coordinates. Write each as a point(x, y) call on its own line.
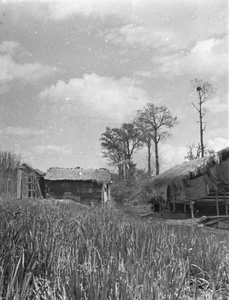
point(77, 174)
point(190, 170)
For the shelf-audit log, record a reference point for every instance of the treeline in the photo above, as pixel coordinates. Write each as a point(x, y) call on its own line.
point(149, 127)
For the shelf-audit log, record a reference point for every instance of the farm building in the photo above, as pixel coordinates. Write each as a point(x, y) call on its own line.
point(203, 181)
point(82, 185)
point(30, 182)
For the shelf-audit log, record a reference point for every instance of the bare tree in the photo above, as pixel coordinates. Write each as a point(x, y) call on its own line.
point(194, 152)
point(154, 123)
point(204, 91)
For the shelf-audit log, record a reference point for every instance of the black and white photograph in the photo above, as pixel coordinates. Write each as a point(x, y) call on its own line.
point(114, 150)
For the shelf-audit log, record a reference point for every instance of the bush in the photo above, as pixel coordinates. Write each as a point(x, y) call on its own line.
point(138, 188)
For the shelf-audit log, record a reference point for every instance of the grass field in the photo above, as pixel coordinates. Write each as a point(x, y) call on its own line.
point(57, 250)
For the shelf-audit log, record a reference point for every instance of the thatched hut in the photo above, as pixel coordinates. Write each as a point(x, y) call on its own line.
point(89, 186)
point(204, 180)
point(30, 182)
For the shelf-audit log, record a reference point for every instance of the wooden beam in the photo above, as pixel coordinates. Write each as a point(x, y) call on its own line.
point(38, 188)
point(109, 192)
point(102, 195)
point(191, 203)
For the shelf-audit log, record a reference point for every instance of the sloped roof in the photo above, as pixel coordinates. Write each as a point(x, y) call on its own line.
point(39, 172)
point(25, 165)
point(78, 174)
point(190, 169)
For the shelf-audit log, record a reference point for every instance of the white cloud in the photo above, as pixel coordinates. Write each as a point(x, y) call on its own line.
point(145, 74)
point(97, 96)
point(218, 143)
point(59, 9)
point(207, 56)
point(28, 72)
point(11, 69)
point(21, 131)
point(216, 105)
point(138, 36)
point(171, 156)
point(11, 47)
point(62, 150)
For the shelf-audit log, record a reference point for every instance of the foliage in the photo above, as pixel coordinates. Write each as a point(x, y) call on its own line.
point(132, 189)
point(119, 145)
point(9, 162)
point(53, 250)
point(154, 123)
point(121, 191)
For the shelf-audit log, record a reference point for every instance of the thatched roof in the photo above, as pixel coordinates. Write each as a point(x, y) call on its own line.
point(190, 169)
point(78, 174)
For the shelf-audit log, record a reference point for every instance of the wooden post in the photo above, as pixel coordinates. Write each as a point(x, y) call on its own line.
point(19, 178)
point(217, 202)
point(102, 195)
point(160, 201)
point(191, 203)
point(174, 203)
point(185, 208)
point(225, 199)
point(39, 193)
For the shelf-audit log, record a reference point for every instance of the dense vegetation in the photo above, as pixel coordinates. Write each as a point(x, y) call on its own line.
point(56, 250)
point(9, 162)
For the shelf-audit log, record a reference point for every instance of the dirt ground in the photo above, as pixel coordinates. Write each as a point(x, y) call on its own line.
point(144, 211)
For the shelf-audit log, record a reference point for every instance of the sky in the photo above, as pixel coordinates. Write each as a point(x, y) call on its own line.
point(71, 68)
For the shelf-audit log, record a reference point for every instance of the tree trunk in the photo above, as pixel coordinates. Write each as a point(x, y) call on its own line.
point(149, 159)
point(120, 171)
point(157, 158)
point(201, 127)
point(201, 139)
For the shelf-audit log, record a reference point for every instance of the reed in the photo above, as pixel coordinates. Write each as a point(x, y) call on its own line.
point(53, 250)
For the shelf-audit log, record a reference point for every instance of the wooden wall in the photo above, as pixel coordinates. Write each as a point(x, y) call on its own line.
point(28, 183)
point(81, 191)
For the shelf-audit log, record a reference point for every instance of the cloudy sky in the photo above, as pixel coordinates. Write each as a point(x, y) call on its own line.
point(70, 68)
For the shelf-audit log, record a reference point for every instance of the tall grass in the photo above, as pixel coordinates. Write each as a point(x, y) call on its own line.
point(52, 250)
point(9, 162)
